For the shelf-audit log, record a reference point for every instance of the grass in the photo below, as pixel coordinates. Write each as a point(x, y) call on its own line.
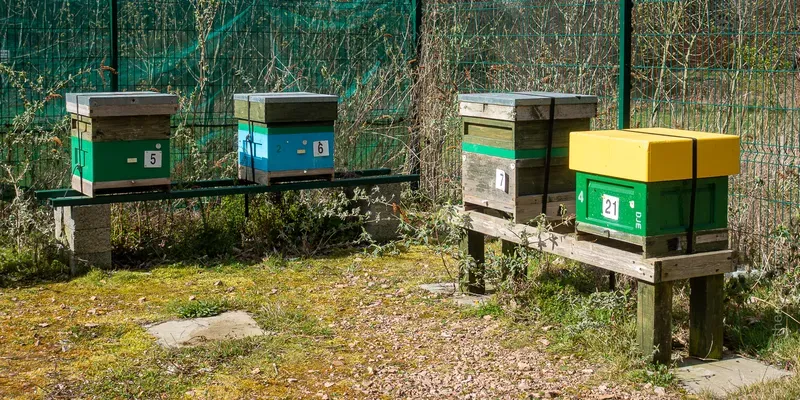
point(325, 322)
point(201, 308)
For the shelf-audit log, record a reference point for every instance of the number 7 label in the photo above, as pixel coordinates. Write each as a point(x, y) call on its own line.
point(611, 207)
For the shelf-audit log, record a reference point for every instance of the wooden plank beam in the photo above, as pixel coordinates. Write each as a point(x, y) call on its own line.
point(652, 270)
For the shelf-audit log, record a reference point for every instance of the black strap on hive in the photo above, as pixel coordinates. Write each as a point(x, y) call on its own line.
point(548, 154)
point(693, 196)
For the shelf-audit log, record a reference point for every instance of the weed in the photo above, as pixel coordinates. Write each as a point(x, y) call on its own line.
point(201, 308)
point(488, 308)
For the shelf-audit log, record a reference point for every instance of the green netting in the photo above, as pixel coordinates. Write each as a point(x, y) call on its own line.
point(206, 50)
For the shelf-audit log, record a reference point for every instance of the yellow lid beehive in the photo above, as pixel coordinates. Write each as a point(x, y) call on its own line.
point(653, 154)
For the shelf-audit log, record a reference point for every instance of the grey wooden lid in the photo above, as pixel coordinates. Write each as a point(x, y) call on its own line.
point(286, 97)
point(514, 99)
point(94, 104)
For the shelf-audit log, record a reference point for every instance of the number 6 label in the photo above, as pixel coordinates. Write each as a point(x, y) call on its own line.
point(611, 207)
point(152, 159)
point(321, 149)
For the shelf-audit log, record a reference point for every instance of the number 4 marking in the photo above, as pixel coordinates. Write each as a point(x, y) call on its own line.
point(580, 196)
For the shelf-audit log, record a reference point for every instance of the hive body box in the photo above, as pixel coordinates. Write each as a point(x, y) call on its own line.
point(635, 186)
point(285, 136)
point(120, 140)
point(504, 148)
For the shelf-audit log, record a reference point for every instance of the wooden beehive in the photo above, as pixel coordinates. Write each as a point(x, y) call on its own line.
point(120, 141)
point(636, 186)
point(505, 146)
point(285, 136)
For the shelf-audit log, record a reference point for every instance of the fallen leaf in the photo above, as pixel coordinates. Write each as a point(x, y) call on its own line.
point(337, 363)
point(230, 289)
point(370, 371)
point(142, 299)
point(328, 384)
point(191, 298)
point(218, 283)
point(256, 371)
point(291, 380)
point(487, 317)
point(44, 325)
point(544, 342)
point(93, 298)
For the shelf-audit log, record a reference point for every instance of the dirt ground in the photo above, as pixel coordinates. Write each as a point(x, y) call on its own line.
point(342, 327)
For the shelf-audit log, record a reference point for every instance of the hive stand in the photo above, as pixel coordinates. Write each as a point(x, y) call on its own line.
point(655, 277)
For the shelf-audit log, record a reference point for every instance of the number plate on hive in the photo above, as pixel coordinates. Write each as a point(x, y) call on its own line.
point(152, 159)
point(321, 149)
point(611, 207)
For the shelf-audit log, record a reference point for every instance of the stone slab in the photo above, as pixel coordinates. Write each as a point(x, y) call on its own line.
point(449, 289)
point(725, 376)
point(190, 332)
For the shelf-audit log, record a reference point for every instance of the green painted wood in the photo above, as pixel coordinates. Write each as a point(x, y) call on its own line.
point(706, 316)
point(229, 190)
point(650, 209)
point(512, 154)
point(118, 161)
point(520, 135)
point(286, 128)
point(654, 321)
point(471, 278)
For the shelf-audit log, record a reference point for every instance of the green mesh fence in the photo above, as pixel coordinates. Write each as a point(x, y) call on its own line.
point(730, 66)
point(206, 50)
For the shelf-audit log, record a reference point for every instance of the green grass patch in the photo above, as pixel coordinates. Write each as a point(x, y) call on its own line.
point(201, 308)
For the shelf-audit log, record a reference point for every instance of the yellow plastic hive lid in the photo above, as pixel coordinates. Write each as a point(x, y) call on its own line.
point(646, 155)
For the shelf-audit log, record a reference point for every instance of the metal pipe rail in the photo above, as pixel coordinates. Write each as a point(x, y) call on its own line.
point(223, 187)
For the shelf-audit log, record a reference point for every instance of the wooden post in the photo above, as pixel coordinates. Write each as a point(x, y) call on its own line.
point(471, 277)
point(706, 313)
point(509, 250)
point(654, 320)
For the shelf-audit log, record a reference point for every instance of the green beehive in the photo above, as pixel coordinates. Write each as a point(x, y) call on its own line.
point(504, 148)
point(120, 141)
point(637, 186)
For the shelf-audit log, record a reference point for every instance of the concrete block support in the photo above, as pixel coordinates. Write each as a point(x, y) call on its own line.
point(381, 222)
point(85, 231)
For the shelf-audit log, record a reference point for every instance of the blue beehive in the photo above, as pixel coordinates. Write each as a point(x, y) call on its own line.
point(285, 136)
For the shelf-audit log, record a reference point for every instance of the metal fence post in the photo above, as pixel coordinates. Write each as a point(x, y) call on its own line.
point(624, 99)
point(114, 44)
point(416, 146)
point(624, 95)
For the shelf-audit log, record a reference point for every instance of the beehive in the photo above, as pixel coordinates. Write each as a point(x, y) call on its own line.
point(285, 136)
point(505, 145)
point(637, 185)
point(120, 141)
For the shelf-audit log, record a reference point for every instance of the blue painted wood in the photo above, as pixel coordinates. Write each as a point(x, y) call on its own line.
point(284, 152)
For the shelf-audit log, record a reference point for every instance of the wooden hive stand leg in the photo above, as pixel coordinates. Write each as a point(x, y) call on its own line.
point(706, 313)
point(471, 278)
point(510, 250)
point(654, 321)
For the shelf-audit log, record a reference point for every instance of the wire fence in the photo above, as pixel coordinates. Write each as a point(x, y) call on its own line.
point(727, 66)
point(204, 51)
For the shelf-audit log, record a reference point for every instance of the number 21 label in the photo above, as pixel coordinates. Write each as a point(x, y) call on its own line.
point(611, 207)
point(321, 148)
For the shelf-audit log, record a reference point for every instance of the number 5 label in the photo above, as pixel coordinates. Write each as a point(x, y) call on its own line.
point(321, 149)
point(152, 159)
point(611, 207)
